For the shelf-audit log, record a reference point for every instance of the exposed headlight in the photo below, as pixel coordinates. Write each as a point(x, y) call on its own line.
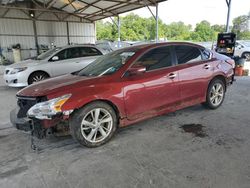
point(44, 110)
point(16, 70)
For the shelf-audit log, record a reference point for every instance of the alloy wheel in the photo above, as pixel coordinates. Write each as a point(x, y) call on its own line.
point(38, 78)
point(217, 94)
point(247, 56)
point(96, 125)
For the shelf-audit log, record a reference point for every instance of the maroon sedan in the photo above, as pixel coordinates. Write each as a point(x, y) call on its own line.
point(124, 87)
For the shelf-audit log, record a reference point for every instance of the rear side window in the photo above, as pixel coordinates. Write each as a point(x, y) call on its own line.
point(205, 54)
point(187, 54)
point(89, 51)
point(156, 59)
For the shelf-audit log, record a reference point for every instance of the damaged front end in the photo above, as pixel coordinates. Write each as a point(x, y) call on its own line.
point(41, 116)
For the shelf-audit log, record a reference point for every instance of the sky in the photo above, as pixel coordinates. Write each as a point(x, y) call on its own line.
point(194, 11)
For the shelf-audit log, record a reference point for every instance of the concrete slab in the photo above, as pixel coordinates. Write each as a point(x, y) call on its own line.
point(2, 69)
point(153, 153)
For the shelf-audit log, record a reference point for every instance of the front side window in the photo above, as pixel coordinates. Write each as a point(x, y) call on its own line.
point(68, 53)
point(47, 54)
point(62, 54)
point(73, 53)
point(187, 54)
point(156, 59)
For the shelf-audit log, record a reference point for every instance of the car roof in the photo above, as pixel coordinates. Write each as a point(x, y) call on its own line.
point(78, 45)
point(152, 45)
point(82, 45)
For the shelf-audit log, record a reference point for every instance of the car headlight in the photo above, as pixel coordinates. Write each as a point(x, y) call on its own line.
point(44, 110)
point(16, 70)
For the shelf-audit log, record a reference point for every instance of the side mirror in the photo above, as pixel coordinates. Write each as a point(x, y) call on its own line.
point(55, 58)
point(136, 70)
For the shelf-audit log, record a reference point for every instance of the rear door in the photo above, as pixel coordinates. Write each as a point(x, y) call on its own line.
point(195, 69)
point(154, 91)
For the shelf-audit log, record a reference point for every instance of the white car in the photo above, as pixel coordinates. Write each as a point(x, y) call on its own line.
point(55, 62)
point(242, 49)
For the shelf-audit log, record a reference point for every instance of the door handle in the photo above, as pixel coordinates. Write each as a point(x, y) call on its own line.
point(77, 62)
point(207, 66)
point(172, 75)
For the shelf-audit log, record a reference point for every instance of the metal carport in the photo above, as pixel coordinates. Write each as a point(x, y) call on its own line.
point(72, 11)
point(80, 11)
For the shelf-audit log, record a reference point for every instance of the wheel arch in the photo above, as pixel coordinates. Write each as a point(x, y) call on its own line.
point(110, 103)
point(245, 52)
point(220, 77)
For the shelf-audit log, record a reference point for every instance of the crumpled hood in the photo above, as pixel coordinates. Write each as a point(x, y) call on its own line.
point(57, 85)
point(25, 63)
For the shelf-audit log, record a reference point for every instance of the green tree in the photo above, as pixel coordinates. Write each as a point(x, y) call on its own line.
point(133, 27)
point(241, 27)
point(203, 32)
point(178, 31)
point(219, 28)
point(104, 30)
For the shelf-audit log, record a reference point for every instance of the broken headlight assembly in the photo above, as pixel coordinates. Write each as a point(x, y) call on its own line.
point(47, 109)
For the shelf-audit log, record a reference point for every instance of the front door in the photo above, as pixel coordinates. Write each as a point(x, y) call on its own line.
point(68, 61)
point(154, 91)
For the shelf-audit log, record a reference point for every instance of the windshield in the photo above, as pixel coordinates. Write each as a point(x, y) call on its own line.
point(109, 63)
point(47, 54)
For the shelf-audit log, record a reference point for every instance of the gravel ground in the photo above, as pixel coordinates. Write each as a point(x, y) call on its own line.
point(153, 153)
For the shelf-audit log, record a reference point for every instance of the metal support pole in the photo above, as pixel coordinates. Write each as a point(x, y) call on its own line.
point(228, 14)
point(67, 25)
point(157, 24)
point(35, 36)
point(119, 32)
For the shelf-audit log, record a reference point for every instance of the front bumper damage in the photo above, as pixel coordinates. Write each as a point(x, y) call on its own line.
point(39, 128)
point(24, 124)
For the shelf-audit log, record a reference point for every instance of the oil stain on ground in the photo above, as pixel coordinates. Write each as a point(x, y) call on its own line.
point(196, 129)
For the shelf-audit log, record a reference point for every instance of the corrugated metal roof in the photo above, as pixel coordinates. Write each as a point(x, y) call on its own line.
point(93, 10)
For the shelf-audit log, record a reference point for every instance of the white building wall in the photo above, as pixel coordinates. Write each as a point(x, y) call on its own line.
point(13, 32)
point(49, 30)
point(76, 30)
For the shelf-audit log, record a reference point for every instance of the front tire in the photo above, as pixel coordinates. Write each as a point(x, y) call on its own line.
point(246, 55)
point(215, 94)
point(37, 76)
point(94, 124)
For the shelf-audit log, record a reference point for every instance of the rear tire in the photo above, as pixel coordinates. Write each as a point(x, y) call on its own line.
point(37, 76)
point(94, 124)
point(215, 94)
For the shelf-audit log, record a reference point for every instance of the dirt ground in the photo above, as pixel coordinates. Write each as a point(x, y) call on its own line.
point(160, 152)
